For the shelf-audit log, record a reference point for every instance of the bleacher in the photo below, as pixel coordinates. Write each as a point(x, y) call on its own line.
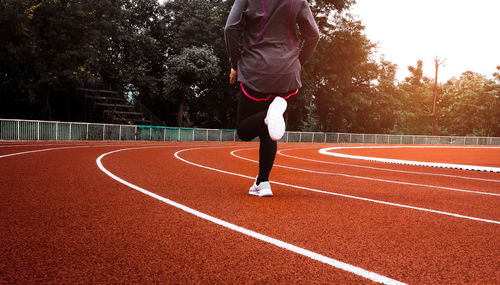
point(107, 106)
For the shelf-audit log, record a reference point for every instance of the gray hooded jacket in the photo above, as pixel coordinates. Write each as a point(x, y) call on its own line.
point(262, 43)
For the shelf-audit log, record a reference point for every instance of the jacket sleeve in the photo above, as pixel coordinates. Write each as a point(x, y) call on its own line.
point(310, 32)
point(233, 31)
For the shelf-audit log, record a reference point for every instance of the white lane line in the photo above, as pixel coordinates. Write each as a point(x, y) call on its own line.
point(41, 150)
point(328, 151)
point(21, 145)
point(233, 153)
point(339, 194)
point(77, 146)
point(382, 169)
point(304, 252)
point(65, 143)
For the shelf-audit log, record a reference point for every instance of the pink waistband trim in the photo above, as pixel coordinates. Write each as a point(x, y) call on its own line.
point(267, 98)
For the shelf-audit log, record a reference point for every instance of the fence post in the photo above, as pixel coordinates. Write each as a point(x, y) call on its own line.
point(38, 128)
point(164, 134)
point(150, 133)
point(103, 129)
point(70, 131)
point(178, 134)
point(18, 135)
point(120, 133)
point(57, 130)
point(87, 131)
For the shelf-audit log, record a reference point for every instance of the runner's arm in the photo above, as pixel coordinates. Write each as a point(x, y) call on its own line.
point(233, 31)
point(310, 32)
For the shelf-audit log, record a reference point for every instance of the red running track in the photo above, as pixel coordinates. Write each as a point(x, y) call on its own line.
point(331, 220)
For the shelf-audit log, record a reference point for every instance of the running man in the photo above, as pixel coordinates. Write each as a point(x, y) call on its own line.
point(266, 59)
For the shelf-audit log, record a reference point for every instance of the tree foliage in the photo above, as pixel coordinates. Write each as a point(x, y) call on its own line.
point(172, 57)
point(471, 106)
point(188, 75)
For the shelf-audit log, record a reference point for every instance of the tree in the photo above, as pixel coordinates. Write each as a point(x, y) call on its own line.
point(15, 98)
point(187, 72)
point(417, 98)
point(200, 23)
point(132, 54)
point(341, 71)
point(57, 46)
point(386, 110)
point(471, 106)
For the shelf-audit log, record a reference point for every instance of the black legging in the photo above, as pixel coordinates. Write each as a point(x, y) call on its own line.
point(250, 124)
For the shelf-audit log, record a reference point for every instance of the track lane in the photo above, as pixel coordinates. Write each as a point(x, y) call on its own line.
point(279, 243)
point(388, 179)
point(67, 222)
point(335, 180)
point(312, 153)
point(377, 237)
point(143, 241)
point(386, 168)
point(484, 182)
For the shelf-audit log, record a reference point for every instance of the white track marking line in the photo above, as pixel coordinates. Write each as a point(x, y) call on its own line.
point(82, 146)
point(382, 169)
point(327, 151)
point(62, 143)
point(41, 150)
point(339, 194)
point(233, 153)
point(290, 247)
point(21, 145)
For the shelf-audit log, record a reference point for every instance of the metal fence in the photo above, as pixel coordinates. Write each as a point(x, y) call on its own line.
point(25, 130)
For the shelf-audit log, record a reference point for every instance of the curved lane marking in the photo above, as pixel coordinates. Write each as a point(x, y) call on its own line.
point(327, 151)
point(339, 194)
point(315, 256)
point(379, 168)
point(78, 146)
point(41, 150)
point(21, 145)
point(233, 153)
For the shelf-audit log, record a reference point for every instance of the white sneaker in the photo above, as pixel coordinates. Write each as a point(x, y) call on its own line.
point(261, 190)
point(274, 119)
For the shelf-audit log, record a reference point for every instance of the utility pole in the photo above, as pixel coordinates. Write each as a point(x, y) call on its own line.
point(435, 93)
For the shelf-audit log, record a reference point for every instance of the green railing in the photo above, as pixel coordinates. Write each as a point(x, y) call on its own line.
point(25, 130)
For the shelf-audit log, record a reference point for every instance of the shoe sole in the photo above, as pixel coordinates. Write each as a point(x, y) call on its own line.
point(262, 193)
point(274, 119)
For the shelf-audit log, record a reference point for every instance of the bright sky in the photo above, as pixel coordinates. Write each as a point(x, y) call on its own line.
point(464, 32)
